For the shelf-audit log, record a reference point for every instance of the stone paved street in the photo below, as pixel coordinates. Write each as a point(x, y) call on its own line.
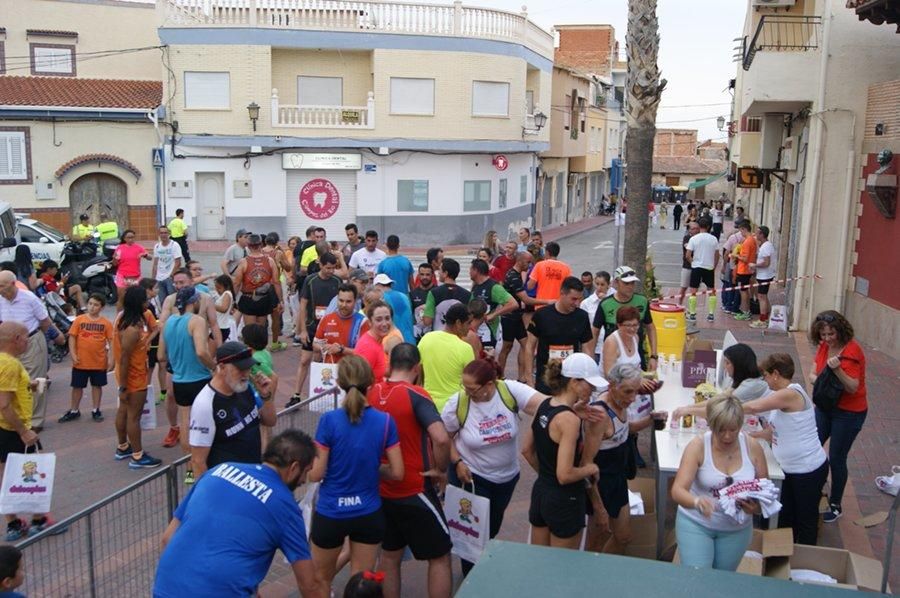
point(87, 473)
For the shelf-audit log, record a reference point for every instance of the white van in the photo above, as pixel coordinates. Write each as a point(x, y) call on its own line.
point(9, 232)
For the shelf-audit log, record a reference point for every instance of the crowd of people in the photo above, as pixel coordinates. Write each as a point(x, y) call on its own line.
point(421, 362)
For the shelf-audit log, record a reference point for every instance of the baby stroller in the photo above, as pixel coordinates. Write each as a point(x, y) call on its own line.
point(55, 309)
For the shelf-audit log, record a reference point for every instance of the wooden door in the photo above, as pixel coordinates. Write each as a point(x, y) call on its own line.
point(99, 193)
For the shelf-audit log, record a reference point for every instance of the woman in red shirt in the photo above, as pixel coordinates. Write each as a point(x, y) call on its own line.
point(838, 351)
point(369, 345)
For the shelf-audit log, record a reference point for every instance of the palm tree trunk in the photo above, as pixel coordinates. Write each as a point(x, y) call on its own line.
point(643, 92)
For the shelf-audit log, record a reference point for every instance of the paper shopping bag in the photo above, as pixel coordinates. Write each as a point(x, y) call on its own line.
point(323, 377)
point(468, 517)
point(778, 318)
point(148, 413)
point(27, 485)
point(308, 504)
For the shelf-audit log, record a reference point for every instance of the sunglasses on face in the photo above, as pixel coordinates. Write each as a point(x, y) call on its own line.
point(827, 318)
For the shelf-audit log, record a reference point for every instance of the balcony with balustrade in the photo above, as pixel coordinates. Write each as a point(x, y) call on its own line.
point(373, 16)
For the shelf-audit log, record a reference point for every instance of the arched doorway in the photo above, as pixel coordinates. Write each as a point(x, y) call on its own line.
point(99, 193)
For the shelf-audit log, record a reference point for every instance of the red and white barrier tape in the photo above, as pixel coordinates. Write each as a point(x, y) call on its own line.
point(741, 287)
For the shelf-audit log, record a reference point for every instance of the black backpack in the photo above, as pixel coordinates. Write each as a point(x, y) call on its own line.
point(827, 390)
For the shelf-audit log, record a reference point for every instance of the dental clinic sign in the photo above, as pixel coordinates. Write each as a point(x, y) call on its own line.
point(311, 161)
point(319, 199)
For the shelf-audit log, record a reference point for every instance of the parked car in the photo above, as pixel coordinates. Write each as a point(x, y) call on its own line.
point(45, 242)
point(9, 232)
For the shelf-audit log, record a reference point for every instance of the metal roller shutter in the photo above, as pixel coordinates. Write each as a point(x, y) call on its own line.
point(318, 189)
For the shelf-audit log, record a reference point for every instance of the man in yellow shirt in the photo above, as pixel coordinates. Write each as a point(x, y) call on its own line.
point(178, 231)
point(16, 401)
point(108, 229)
point(83, 231)
point(445, 354)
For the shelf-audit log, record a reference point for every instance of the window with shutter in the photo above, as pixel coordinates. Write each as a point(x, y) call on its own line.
point(13, 157)
point(207, 90)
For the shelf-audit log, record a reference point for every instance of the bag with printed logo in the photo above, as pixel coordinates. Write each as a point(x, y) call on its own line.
point(148, 413)
point(27, 485)
point(322, 378)
point(469, 520)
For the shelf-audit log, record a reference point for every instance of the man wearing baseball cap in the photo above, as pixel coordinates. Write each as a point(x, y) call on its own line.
point(399, 302)
point(625, 279)
point(226, 415)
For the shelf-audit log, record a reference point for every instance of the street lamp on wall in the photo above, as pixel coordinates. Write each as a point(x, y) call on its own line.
point(720, 122)
point(540, 119)
point(253, 110)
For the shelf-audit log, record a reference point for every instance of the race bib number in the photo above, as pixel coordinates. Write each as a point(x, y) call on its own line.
point(561, 351)
point(320, 312)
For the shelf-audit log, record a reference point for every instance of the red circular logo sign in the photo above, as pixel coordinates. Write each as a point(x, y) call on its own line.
point(501, 162)
point(319, 199)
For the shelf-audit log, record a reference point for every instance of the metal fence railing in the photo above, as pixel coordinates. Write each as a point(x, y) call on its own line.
point(111, 547)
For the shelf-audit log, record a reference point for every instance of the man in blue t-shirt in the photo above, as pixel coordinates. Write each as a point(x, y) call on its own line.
point(225, 532)
point(397, 267)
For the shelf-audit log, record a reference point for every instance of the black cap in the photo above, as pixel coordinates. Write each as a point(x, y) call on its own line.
point(84, 217)
point(237, 354)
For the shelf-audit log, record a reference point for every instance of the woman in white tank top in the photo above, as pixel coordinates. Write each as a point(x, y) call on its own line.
point(795, 443)
point(707, 537)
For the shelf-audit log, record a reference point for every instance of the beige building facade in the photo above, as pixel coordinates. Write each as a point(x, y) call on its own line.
point(800, 118)
point(79, 88)
point(298, 117)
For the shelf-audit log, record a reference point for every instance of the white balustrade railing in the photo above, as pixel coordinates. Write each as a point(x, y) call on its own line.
point(323, 117)
point(384, 16)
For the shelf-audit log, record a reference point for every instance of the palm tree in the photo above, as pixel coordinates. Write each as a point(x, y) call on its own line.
point(643, 90)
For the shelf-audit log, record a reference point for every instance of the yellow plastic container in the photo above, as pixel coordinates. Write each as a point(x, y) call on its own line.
point(671, 328)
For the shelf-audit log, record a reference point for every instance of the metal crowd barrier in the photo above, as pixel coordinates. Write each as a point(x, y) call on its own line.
point(111, 547)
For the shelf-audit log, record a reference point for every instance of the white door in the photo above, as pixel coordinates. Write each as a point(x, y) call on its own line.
point(325, 198)
point(210, 205)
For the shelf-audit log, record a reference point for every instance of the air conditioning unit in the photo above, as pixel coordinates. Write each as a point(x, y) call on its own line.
point(773, 3)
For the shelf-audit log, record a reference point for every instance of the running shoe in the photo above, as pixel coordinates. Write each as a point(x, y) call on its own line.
point(277, 346)
point(125, 453)
point(743, 317)
point(171, 438)
point(759, 324)
point(692, 317)
point(39, 524)
point(710, 317)
point(833, 514)
point(16, 529)
point(70, 416)
point(189, 477)
point(296, 342)
point(295, 398)
point(96, 415)
point(146, 461)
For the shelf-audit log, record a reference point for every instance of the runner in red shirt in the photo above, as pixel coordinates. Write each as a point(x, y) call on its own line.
point(505, 261)
point(411, 507)
point(339, 330)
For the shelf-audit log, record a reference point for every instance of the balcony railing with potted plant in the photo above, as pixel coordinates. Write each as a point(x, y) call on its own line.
point(369, 16)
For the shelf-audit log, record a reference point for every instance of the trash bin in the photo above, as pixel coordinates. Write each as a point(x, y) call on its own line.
point(671, 328)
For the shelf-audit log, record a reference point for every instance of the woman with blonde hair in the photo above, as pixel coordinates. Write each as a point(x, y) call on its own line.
point(707, 537)
point(492, 242)
point(350, 443)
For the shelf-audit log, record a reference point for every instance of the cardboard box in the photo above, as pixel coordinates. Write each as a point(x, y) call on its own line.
point(643, 527)
point(776, 546)
point(698, 357)
point(852, 571)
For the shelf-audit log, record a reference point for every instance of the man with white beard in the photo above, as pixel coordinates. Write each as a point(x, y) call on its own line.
point(226, 415)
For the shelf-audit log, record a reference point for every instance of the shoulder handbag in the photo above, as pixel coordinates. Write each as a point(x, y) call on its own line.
point(827, 390)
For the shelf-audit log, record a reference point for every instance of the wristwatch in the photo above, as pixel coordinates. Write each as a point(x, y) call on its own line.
point(455, 463)
point(654, 357)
